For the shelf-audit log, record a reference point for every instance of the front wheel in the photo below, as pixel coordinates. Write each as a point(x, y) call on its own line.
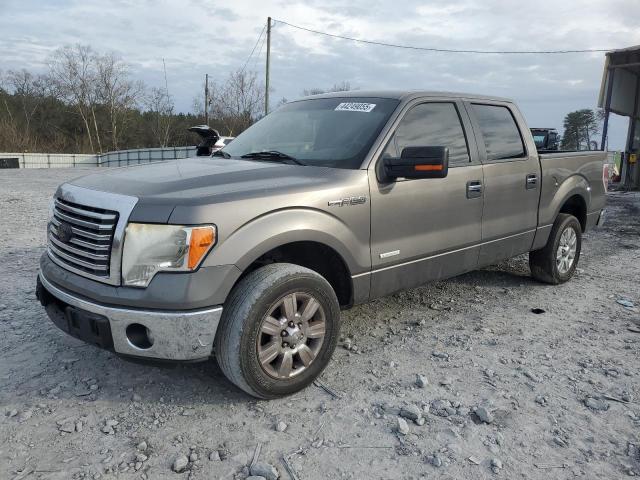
point(278, 330)
point(557, 261)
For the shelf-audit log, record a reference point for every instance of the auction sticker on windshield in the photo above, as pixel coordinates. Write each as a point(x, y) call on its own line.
point(355, 107)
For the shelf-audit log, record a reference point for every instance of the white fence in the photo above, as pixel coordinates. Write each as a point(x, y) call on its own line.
point(123, 158)
point(49, 160)
point(111, 159)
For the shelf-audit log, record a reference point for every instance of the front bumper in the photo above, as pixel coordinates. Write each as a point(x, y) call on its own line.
point(171, 335)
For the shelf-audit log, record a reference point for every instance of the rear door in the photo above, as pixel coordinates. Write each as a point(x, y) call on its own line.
point(511, 181)
point(425, 229)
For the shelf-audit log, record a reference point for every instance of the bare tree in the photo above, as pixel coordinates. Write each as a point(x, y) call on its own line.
point(160, 104)
point(116, 91)
point(239, 101)
point(337, 87)
point(29, 90)
point(73, 75)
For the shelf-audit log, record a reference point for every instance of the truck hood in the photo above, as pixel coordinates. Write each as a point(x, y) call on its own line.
point(162, 186)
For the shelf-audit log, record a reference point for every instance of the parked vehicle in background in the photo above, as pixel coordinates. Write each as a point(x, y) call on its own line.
point(221, 143)
point(211, 142)
point(327, 202)
point(545, 138)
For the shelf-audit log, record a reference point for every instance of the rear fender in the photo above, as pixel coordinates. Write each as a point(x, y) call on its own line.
point(550, 207)
point(574, 185)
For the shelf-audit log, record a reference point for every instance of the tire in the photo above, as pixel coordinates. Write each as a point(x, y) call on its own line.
point(254, 317)
point(545, 263)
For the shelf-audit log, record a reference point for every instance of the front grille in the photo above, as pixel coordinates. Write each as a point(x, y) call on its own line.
point(81, 237)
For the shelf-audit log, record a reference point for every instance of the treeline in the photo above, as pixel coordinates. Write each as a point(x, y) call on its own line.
point(87, 102)
point(581, 129)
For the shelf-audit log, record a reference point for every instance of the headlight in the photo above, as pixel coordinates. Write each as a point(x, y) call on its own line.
point(149, 249)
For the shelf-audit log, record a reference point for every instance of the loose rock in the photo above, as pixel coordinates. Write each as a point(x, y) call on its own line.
point(411, 412)
point(403, 426)
point(596, 404)
point(421, 381)
point(484, 415)
point(180, 463)
point(266, 470)
point(67, 427)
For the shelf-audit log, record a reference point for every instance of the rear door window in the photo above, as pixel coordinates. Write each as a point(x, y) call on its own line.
point(499, 129)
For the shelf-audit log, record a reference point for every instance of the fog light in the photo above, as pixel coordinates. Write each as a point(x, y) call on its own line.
point(139, 336)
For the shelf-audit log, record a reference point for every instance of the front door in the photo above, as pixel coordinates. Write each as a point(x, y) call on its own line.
point(427, 229)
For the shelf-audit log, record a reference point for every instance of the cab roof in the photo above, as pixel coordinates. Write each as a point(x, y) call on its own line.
point(405, 95)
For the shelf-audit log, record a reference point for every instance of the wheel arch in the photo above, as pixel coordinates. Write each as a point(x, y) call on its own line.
point(576, 205)
point(304, 237)
point(315, 256)
point(572, 196)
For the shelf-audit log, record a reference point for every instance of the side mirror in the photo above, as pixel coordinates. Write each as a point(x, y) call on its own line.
point(418, 162)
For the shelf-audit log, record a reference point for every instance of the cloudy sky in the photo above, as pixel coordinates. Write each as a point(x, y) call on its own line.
point(206, 36)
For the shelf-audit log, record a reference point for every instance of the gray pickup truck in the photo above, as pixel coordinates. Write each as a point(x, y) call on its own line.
point(328, 202)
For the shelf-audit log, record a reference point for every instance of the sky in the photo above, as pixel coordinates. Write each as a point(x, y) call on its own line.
point(215, 37)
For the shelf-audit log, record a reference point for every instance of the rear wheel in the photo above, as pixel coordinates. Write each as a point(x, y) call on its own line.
point(557, 261)
point(278, 330)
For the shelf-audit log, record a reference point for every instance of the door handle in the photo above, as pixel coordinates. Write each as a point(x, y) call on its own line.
point(532, 181)
point(474, 189)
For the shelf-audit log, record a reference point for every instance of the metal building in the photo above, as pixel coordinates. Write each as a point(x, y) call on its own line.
point(620, 93)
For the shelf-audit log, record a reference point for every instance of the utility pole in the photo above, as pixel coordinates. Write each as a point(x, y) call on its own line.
point(206, 99)
point(266, 82)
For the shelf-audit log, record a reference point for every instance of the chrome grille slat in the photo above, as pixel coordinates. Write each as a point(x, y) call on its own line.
point(81, 237)
point(83, 223)
point(81, 243)
point(85, 213)
point(76, 251)
point(77, 261)
point(85, 233)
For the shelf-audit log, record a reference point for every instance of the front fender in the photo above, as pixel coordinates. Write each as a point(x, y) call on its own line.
point(277, 228)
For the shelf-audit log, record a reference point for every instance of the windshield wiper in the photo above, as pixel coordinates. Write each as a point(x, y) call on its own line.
point(273, 155)
point(220, 153)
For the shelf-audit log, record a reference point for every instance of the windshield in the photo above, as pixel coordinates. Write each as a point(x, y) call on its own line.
point(327, 132)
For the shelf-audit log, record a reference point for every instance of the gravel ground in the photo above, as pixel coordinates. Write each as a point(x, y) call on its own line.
point(503, 392)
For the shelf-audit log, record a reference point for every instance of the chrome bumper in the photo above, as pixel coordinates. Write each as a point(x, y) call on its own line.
point(176, 335)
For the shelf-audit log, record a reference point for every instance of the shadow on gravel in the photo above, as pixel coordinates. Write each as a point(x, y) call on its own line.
point(85, 373)
point(506, 276)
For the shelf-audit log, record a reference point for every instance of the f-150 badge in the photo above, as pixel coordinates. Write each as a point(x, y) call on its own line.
point(343, 202)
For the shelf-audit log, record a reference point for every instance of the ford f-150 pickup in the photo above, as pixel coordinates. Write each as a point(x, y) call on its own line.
point(248, 255)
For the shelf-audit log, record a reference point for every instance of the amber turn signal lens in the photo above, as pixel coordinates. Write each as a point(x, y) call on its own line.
point(202, 238)
point(428, 168)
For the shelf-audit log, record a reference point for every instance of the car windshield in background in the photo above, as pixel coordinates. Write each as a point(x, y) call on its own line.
point(539, 140)
point(324, 132)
